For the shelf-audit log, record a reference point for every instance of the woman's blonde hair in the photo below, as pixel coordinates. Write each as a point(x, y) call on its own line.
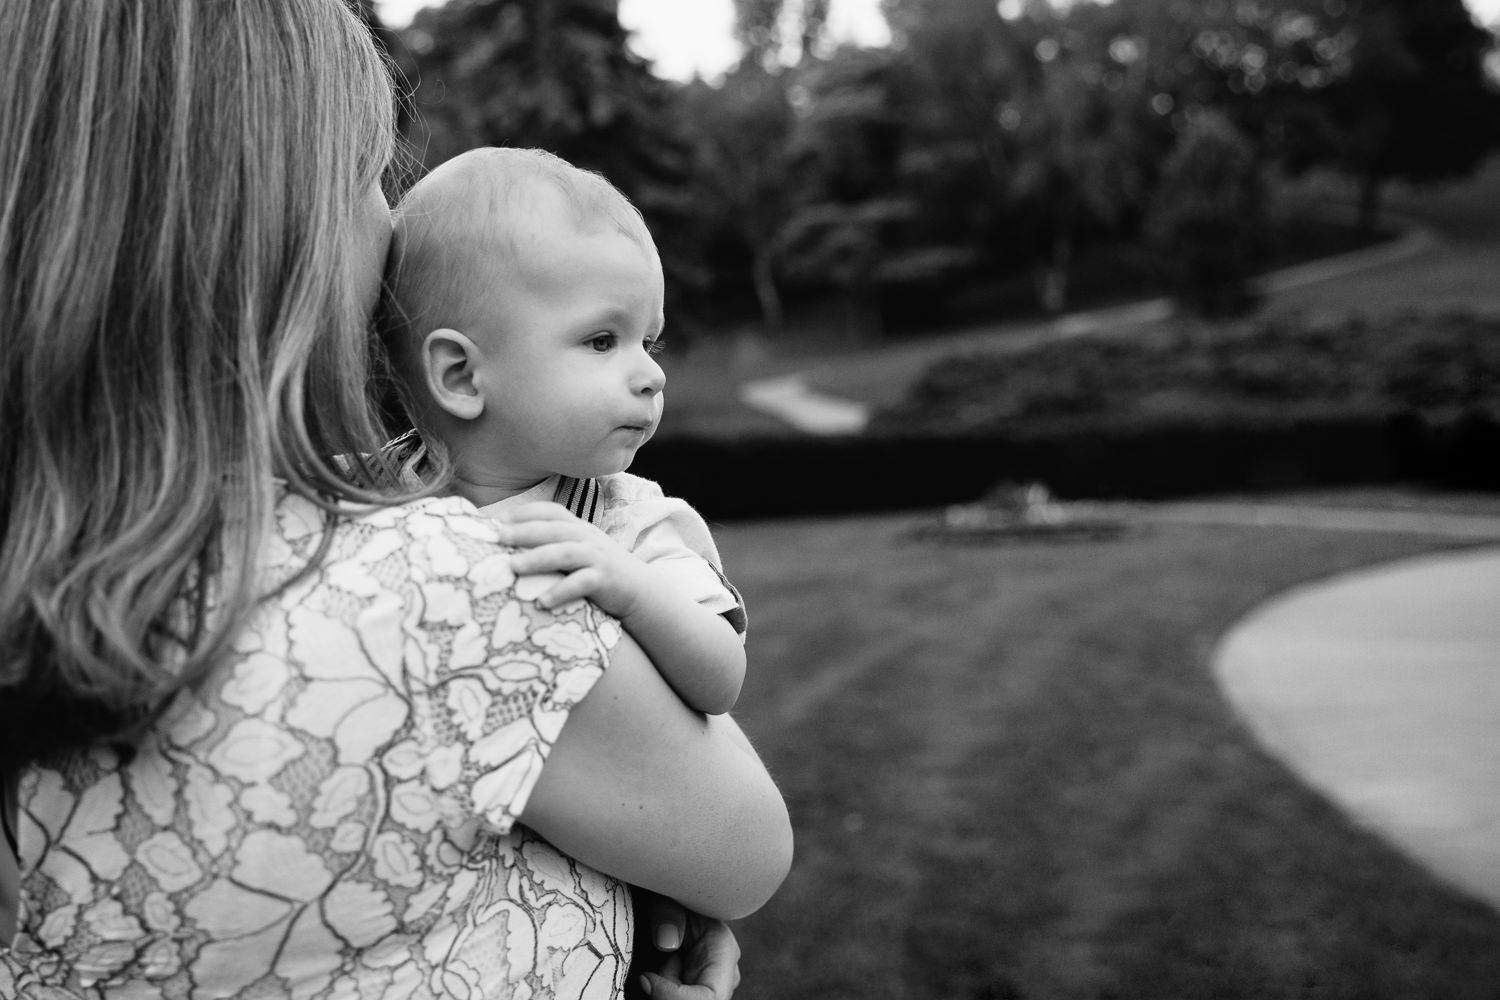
point(179, 181)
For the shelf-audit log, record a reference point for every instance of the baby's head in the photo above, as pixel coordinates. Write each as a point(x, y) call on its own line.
point(525, 305)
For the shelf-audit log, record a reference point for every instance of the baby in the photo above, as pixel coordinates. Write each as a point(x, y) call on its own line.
point(525, 316)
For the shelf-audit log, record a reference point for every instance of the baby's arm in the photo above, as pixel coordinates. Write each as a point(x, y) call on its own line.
point(696, 650)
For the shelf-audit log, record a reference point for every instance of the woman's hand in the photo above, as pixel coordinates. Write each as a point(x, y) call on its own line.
point(681, 955)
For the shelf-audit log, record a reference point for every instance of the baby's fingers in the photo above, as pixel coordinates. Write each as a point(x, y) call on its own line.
point(529, 534)
point(586, 582)
point(563, 556)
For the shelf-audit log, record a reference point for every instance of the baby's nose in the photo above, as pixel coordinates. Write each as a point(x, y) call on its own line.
point(651, 379)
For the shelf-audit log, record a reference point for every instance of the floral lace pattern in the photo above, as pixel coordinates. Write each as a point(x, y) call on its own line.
point(333, 814)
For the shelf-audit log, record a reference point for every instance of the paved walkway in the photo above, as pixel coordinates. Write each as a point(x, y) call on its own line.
point(1382, 689)
point(1474, 527)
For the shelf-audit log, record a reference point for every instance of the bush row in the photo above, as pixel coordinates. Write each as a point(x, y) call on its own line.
point(763, 477)
point(1438, 365)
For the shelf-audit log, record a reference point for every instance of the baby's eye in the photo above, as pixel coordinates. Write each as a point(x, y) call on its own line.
point(655, 347)
point(602, 343)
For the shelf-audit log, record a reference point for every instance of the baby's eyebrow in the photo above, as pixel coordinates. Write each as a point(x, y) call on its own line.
point(612, 316)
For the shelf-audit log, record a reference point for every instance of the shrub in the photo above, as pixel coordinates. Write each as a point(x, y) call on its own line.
point(757, 477)
point(1185, 408)
point(1435, 365)
point(1206, 222)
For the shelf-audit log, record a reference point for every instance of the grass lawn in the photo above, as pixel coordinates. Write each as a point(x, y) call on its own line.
point(1013, 778)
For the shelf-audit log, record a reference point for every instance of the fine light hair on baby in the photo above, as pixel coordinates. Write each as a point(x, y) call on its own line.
point(463, 230)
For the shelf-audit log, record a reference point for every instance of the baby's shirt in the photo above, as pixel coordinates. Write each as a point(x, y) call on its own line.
point(664, 531)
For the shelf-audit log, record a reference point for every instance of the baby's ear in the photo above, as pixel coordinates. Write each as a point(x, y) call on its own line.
point(448, 362)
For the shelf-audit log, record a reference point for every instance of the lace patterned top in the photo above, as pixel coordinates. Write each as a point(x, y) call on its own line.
point(333, 813)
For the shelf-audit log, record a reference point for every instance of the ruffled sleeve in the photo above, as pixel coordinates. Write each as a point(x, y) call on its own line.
point(490, 676)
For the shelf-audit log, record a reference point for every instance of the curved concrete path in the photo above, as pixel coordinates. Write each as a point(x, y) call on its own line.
point(1382, 689)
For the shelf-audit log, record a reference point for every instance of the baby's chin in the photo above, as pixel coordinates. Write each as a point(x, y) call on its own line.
point(598, 470)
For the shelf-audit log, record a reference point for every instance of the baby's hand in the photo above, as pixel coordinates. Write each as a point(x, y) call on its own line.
point(596, 566)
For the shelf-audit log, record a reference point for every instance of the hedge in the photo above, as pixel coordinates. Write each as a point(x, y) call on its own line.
point(766, 477)
point(1438, 364)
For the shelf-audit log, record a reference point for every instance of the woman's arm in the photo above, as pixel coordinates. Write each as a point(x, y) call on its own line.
point(643, 788)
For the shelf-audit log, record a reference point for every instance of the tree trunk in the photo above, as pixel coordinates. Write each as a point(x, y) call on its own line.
point(766, 294)
point(1053, 280)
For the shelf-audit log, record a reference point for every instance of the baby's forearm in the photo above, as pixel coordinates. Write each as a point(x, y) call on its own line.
point(695, 650)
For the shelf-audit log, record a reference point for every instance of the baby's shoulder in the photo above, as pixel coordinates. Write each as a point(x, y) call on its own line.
point(624, 488)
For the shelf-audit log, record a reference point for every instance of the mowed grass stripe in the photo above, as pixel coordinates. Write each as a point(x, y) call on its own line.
point(1022, 781)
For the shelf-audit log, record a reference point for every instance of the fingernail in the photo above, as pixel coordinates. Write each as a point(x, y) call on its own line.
point(645, 986)
point(667, 938)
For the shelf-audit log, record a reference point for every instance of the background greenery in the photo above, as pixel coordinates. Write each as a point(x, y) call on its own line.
point(1437, 366)
point(878, 189)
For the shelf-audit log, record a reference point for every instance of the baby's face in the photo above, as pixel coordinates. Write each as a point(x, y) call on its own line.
point(568, 374)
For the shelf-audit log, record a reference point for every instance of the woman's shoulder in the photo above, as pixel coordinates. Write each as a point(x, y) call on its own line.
point(298, 516)
point(426, 517)
point(434, 537)
point(424, 568)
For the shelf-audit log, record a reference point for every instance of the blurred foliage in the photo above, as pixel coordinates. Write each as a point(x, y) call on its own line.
point(549, 73)
point(1434, 365)
point(769, 30)
point(744, 189)
point(1379, 90)
point(1205, 224)
point(557, 75)
point(986, 142)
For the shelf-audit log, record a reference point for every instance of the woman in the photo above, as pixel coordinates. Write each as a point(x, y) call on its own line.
point(277, 734)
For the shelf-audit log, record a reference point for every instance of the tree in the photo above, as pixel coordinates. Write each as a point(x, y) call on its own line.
point(960, 64)
point(1381, 90)
point(1082, 136)
point(745, 129)
point(1040, 117)
point(1416, 104)
point(841, 226)
point(557, 75)
point(742, 180)
point(1205, 224)
point(774, 32)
